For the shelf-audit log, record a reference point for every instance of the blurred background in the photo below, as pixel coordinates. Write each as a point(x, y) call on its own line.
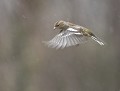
point(26, 64)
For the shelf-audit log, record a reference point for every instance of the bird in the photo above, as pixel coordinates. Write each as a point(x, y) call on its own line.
point(71, 35)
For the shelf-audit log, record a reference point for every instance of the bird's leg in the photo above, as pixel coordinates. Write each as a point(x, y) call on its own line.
point(77, 45)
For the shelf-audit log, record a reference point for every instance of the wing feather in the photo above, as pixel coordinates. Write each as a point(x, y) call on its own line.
point(64, 43)
point(69, 37)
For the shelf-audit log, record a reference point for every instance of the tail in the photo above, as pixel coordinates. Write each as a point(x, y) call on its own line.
point(98, 40)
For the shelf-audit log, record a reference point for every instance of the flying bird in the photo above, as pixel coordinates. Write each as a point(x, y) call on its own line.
point(70, 35)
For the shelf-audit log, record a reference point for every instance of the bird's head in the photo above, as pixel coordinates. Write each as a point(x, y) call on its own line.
point(61, 25)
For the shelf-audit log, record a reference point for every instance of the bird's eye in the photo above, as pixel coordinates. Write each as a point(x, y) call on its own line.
point(57, 25)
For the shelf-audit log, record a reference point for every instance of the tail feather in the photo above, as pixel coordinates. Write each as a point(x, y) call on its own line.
point(98, 40)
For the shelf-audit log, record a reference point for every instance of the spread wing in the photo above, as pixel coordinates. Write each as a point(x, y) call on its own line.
point(69, 37)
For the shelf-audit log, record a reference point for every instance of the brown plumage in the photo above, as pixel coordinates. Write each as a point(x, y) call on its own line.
point(71, 34)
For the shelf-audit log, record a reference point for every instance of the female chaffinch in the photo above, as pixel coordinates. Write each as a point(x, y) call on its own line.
point(70, 35)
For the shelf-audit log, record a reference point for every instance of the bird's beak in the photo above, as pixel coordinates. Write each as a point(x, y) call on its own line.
point(54, 28)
